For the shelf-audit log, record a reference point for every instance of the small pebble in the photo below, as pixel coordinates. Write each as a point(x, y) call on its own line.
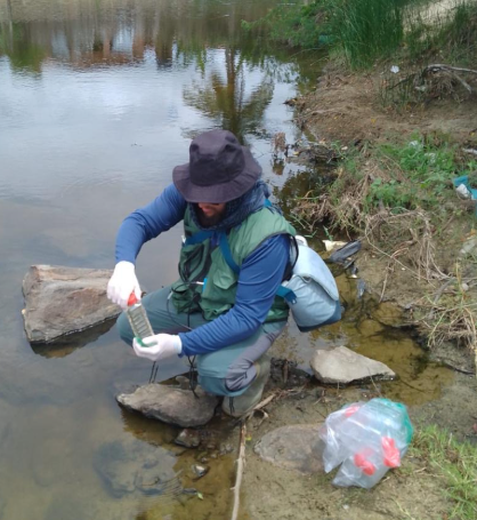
point(200, 471)
point(188, 438)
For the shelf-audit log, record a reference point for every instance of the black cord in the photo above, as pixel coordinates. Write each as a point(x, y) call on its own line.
point(192, 372)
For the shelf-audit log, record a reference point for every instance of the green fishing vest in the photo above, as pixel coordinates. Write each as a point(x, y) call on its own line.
point(199, 261)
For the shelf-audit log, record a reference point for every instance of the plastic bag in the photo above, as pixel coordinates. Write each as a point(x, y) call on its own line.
point(367, 439)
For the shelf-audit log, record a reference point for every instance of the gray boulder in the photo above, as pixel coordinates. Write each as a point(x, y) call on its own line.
point(296, 447)
point(171, 404)
point(62, 300)
point(342, 365)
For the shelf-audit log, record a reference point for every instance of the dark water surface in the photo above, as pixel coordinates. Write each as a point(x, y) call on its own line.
point(98, 102)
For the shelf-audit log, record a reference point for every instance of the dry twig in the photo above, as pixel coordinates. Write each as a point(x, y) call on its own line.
point(240, 466)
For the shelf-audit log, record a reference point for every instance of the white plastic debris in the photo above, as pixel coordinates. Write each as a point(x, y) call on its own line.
point(463, 192)
point(330, 245)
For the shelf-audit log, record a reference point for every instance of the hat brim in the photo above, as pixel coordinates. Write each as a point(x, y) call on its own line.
point(218, 193)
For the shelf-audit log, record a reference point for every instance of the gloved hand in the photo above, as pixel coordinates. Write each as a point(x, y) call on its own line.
point(122, 283)
point(160, 346)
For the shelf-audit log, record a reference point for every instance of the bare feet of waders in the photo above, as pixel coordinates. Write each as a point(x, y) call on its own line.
point(243, 404)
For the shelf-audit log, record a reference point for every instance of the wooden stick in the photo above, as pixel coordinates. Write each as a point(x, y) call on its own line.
point(263, 403)
point(238, 478)
point(441, 66)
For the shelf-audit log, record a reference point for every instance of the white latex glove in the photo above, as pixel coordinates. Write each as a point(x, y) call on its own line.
point(122, 283)
point(160, 346)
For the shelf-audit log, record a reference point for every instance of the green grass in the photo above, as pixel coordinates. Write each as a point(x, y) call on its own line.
point(455, 463)
point(421, 171)
point(400, 176)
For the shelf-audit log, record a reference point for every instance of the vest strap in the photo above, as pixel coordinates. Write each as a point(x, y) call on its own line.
point(225, 248)
point(286, 294)
point(198, 237)
point(282, 292)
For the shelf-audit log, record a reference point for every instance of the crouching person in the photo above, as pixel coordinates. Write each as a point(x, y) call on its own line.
point(223, 310)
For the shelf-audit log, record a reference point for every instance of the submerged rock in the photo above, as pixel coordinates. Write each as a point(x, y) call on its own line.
point(389, 314)
point(62, 300)
point(188, 438)
point(128, 467)
point(171, 405)
point(296, 447)
point(342, 365)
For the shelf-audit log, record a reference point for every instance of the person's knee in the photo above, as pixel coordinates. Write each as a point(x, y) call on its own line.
point(125, 331)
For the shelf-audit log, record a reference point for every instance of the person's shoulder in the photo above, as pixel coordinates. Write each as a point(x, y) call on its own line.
point(268, 215)
point(172, 193)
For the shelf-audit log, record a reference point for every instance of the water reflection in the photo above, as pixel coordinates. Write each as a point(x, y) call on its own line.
point(236, 86)
point(109, 33)
point(67, 345)
point(223, 97)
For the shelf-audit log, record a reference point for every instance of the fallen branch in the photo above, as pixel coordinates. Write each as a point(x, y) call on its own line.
point(238, 478)
point(417, 80)
point(441, 66)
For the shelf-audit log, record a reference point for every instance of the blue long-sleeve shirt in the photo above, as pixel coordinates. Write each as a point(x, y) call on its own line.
point(260, 275)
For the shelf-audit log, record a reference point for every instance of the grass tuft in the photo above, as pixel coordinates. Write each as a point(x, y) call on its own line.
point(455, 462)
point(366, 30)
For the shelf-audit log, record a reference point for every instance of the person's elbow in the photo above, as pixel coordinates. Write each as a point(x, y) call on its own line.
point(249, 321)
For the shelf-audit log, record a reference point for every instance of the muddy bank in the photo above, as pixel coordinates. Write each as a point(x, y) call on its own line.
point(411, 491)
point(433, 394)
point(348, 108)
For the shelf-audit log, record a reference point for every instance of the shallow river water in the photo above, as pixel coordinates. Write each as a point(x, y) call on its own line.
point(98, 102)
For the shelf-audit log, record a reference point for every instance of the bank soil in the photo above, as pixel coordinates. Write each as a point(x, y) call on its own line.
point(412, 491)
point(346, 108)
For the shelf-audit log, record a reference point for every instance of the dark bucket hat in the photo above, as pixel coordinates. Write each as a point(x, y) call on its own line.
point(219, 169)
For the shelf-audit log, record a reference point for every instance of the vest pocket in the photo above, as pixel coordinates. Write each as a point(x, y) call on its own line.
point(219, 293)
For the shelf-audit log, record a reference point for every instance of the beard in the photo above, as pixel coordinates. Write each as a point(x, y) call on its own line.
point(207, 221)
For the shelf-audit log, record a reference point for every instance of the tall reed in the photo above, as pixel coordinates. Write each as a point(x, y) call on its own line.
point(368, 29)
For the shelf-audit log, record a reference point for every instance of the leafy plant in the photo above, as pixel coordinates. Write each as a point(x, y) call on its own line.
point(426, 167)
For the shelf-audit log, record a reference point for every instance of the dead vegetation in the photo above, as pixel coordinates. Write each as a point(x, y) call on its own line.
point(435, 81)
point(411, 240)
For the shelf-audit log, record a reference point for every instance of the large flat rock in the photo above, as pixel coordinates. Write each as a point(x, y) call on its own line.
point(297, 447)
point(63, 300)
point(134, 466)
point(342, 365)
point(171, 404)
